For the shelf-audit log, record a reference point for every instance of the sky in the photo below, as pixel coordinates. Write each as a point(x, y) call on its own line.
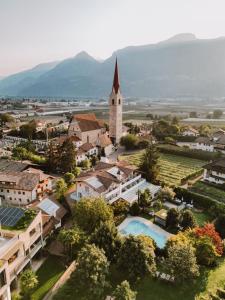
point(37, 31)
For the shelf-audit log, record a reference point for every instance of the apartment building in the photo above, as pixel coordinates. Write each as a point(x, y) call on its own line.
point(17, 245)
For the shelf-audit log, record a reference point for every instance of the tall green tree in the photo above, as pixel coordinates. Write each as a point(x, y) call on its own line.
point(28, 130)
point(88, 213)
point(61, 188)
point(106, 237)
point(182, 262)
point(124, 292)
point(90, 276)
point(136, 257)
point(129, 141)
point(28, 281)
point(69, 178)
point(72, 240)
point(173, 218)
point(149, 163)
point(220, 225)
point(145, 198)
point(67, 156)
point(187, 219)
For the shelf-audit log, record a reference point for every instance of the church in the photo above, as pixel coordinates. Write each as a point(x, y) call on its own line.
point(91, 130)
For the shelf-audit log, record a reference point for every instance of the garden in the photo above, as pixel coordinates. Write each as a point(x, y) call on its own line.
point(174, 169)
point(209, 190)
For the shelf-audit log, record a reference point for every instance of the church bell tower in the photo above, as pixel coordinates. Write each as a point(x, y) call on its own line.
point(115, 109)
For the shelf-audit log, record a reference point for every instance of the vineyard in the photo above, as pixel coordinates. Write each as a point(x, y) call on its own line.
point(174, 169)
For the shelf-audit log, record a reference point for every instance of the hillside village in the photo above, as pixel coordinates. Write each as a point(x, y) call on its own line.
point(144, 203)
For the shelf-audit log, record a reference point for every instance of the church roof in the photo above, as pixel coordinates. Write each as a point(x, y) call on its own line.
point(116, 82)
point(88, 122)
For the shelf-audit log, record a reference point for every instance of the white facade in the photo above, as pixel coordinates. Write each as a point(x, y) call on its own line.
point(16, 252)
point(214, 177)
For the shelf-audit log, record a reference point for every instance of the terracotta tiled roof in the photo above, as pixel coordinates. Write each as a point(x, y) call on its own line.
point(90, 117)
point(86, 147)
point(104, 141)
point(88, 122)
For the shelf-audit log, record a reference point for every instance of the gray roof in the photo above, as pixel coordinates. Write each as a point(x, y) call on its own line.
point(19, 180)
point(12, 166)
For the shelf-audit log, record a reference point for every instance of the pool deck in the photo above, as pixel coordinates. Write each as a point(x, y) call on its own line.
point(148, 223)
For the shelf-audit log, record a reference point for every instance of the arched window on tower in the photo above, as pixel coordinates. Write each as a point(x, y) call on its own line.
point(119, 101)
point(113, 101)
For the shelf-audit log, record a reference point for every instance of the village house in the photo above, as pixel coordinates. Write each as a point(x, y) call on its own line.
point(21, 188)
point(215, 172)
point(113, 182)
point(190, 131)
point(17, 247)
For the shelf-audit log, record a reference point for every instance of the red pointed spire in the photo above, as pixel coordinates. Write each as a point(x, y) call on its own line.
point(116, 83)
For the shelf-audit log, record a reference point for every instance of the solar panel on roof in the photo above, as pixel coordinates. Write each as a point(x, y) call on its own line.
point(9, 216)
point(48, 206)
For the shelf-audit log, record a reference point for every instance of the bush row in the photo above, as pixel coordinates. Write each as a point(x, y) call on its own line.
point(191, 176)
point(192, 153)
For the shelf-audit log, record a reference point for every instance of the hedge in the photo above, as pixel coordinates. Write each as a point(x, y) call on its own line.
point(192, 153)
point(200, 201)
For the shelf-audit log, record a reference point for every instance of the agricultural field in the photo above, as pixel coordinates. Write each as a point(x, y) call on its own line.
point(174, 169)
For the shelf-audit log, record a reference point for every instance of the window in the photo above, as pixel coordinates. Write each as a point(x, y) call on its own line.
point(1, 190)
point(113, 101)
point(23, 193)
point(20, 199)
point(19, 192)
point(7, 191)
point(119, 101)
point(2, 279)
point(10, 198)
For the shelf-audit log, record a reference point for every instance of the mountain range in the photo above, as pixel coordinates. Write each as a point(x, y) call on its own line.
point(182, 66)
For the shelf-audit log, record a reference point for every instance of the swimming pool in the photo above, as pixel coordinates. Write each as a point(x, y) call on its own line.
point(138, 226)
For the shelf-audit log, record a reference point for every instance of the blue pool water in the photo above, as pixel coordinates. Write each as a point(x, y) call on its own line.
point(136, 227)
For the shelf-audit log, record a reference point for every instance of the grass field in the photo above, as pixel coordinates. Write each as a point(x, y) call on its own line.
point(202, 217)
point(48, 275)
point(208, 190)
point(173, 168)
point(155, 289)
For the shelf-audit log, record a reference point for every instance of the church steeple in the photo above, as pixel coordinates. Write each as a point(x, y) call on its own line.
point(115, 109)
point(116, 82)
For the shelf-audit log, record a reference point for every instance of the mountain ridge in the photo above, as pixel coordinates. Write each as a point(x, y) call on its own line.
point(179, 66)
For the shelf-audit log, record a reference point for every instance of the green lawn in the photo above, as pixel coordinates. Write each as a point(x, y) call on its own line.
point(202, 217)
point(155, 289)
point(48, 274)
point(208, 190)
point(173, 168)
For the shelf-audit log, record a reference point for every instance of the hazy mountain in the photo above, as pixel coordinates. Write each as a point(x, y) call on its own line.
point(180, 66)
point(13, 84)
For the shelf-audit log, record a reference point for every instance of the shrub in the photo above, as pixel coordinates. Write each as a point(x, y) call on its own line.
point(135, 209)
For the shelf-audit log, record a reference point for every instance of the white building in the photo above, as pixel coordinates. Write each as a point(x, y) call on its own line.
point(113, 182)
point(22, 188)
point(215, 172)
point(17, 247)
point(190, 131)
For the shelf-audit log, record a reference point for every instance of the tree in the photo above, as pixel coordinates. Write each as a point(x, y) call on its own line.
point(124, 292)
point(205, 251)
point(86, 164)
point(181, 261)
point(90, 212)
point(172, 219)
point(129, 141)
point(67, 156)
point(61, 188)
point(145, 198)
point(220, 225)
point(53, 159)
point(193, 114)
point(69, 178)
point(167, 194)
point(76, 171)
point(135, 209)
point(187, 219)
point(19, 153)
point(204, 130)
point(217, 114)
point(6, 118)
point(136, 257)
point(72, 240)
point(149, 163)
point(91, 272)
point(28, 281)
point(106, 237)
point(28, 130)
point(120, 207)
point(208, 230)
point(143, 144)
